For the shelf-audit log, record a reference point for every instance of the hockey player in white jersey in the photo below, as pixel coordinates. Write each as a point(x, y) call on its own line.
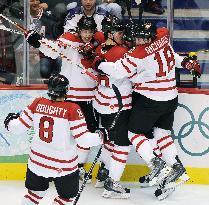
point(78, 50)
point(106, 104)
point(59, 126)
point(153, 63)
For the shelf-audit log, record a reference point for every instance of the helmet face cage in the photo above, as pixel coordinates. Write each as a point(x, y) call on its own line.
point(57, 86)
point(129, 34)
point(146, 31)
point(87, 23)
point(111, 25)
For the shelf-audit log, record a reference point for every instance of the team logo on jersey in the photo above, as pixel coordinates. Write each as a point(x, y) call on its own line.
point(112, 107)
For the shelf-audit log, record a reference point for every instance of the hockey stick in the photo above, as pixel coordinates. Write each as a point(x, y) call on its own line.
point(25, 32)
point(111, 127)
point(128, 6)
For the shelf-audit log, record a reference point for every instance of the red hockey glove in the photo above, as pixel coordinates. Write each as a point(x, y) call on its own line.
point(103, 133)
point(87, 51)
point(191, 64)
point(10, 116)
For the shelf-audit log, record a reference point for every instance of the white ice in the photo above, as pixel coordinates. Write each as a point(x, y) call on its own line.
point(11, 193)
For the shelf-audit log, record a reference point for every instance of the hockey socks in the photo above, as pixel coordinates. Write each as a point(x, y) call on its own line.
point(118, 161)
point(166, 145)
point(33, 197)
point(60, 201)
point(142, 146)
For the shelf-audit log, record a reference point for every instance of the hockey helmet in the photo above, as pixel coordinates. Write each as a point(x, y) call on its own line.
point(129, 33)
point(111, 24)
point(146, 30)
point(87, 23)
point(57, 86)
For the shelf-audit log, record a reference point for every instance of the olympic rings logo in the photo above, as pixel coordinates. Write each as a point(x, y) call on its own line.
point(187, 129)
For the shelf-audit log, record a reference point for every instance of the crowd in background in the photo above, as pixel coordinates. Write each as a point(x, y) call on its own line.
point(47, 17)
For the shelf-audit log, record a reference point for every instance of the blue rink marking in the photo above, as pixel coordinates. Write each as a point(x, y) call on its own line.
point(5, 140)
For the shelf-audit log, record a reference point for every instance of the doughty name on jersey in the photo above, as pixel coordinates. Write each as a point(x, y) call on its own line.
point(51, 110)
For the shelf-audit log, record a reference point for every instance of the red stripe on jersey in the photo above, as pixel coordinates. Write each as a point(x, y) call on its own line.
point(79, 135)
point(28, 116)
point(24, 123)
point(58, 201)
point(127, 69)
point(113, 97)
point(78, 126)
point(53, 168)
point(140, 143)
point(120, 152)
point(31, 199)
point(34, 195)
point(53, 159)
point(80, 97)
point(136, 136)
point(119, 160)
point(109, 143)
point(108, 149)
point(162, 81)
point(83, 148)
point(115, 105)
point(131, 62)
point(163, 138)
point(166, 145)
point(156, 89)
point(132, 76)
point(82, 89)
point(160, 155)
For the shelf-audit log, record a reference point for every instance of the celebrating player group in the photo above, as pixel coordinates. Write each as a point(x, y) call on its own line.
point(129, 63)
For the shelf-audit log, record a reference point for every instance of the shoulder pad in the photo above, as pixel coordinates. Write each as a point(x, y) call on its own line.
point(101, 11)
point(72, 12)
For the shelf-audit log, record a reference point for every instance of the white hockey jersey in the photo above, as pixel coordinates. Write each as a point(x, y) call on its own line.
point(75, 15)
point(151, 67)
point(58, 127)
point(105, 99)
point(81, 86)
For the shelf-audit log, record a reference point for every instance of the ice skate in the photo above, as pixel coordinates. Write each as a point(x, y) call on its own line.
point(159, 170)
point(101, 176)
point(83, 174)
point(114, 190)
point(176, 177)
point(144, 181)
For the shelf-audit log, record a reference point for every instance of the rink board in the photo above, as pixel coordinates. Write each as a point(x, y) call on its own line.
point(191, 135)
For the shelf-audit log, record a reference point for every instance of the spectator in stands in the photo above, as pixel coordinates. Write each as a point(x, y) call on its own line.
point(153, 6)
point(112, 7)
point(50, 25)
point(87, 8)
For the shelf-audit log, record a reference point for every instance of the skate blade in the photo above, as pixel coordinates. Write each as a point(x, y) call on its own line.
point(99, 184)
point(145, 185)
point(115, 195)
point(170, 187)
point(163, 174)
point(166, 193)
point(182, 179)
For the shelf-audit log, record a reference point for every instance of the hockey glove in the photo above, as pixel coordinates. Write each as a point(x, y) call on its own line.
point(10, 116)
point(33, 39)
point(103, 133)
point(87, 51)
point(191, 64)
